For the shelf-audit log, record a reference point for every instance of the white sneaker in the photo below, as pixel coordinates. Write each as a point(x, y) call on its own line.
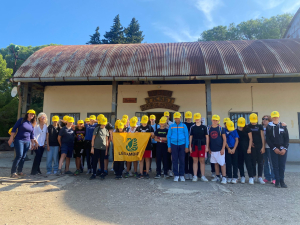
point(260, 180)
point(203, 178)
point(233, 181)
point(89, 171)
point(191, 176)
point(216, 179)
point(182, 179)
point(186, 176)
point(213, 175)
point(243, 180)
point(251, 181)
point(195, 179)
point(224, 180)
point(176, 178)
point(171, 174)
point(229, 180)
point(130, 174)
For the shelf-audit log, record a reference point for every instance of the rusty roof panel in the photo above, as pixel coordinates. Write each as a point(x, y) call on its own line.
point(165, 59)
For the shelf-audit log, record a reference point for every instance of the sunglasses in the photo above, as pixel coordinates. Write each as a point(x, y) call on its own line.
point(265, 118)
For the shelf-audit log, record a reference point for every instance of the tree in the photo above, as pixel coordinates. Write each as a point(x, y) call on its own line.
point(263, 28)
point(133, 33)
point(95, 38)
point(116, 33)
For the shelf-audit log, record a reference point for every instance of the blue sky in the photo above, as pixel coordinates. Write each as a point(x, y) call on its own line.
point(36, 22)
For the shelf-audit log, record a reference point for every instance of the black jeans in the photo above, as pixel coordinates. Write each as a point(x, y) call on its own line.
point(278, 162)
point(98, 153)
point(162, 155)
point(244, 157)
point(37, 160)
point(258, 158)
point(118, 167)
point(231, 164)
point(188, 164)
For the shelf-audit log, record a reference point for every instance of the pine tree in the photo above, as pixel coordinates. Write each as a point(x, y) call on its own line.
point(116, 33)
point(133, 33)
point(95, 38)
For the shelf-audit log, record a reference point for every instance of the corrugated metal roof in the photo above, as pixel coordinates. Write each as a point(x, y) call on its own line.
point(280, 56)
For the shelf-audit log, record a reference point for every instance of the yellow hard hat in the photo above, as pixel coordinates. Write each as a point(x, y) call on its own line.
point(124, 121)
point(135, 118)
point(188, 115)
point(146, 118)
point(117, 123)
point(241, 122)
point(80, 121)
point(31, 111)
point(225, 120)
point(100, 116)
point(9, 132)
point(275, 114)
point(166, 113)
point(65, 118)
point(133, 122)
point(121, 125)
point(253, 118)
point(87, 120)
point(125, 116)
point(215, 117)
point(92, 117)
point(163, 120)
point(197, 116)
point(230, 125)
point(55, 119)
point(152, 117)
point(177, 115)
point(103, 121)
point(70, 120)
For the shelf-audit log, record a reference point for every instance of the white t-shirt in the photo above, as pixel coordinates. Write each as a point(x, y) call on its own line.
point(40, 134)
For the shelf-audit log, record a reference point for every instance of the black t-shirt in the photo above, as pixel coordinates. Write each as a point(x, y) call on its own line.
point(199, 132)
point(161, 133)
point(244, 137)
point(53, 134)
point(189, 125)
point(215, 138)
point(256, 134)
point(147, 129)
point(79, 136)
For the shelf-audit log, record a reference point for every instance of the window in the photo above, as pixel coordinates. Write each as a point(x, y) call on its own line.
point(107, 115)
point(235, 115)
point(76, 116)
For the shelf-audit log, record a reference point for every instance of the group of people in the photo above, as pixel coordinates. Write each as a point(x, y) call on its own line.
point(179, 148)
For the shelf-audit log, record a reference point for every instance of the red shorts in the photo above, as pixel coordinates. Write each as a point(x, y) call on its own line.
point(147, 154)
point(198, 153)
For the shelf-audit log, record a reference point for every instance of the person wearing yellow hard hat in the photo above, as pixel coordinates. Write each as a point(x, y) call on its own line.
point(188, 160)
point(178, 143)
point(217, 143)
point(79, 145)
point(231, 154)
point(40, 134)
point(64, 121)
point(258, 147)
point(277, 137)
point(244, 150)
point(198, 147)
point(53, 146)
point(225, 120)
point(145, 128)
point(162, 148)
point(167, 115)
point(87, 121)
point(99, 147)
point(154, 125)
point(22, 141)
point(119, 165)
point(66, 138)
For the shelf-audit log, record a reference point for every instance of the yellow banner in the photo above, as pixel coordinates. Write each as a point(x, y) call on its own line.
point(130, 146)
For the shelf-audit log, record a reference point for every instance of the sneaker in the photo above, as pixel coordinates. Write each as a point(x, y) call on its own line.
point(48, 173)
point(147, 176)
point(14, 175)
point(224, 180)
point(68, 172)
point(93, 177)
point(243, 180)
point(102, 176)
point(266, 181)
point(182, 179)
point(139, 176)
point(166, 176)
point(213, 175)
point(170, 173)
point(105, 172)
point(233, 181)
point(130, 173)
point(98, 173)
point(282, 184)
point(126, 175)
point(158, 176)
point(112, 169)
point(255, 180)
point(162, 171)
point(89, 171)
point(186, 176)
point(195, 179)
point(260, 180)
point(58, 172)
point(273, 181)
point(277, 184)
point(55, 172)
point(190, 176)
point(229, 180)
point(216, 179)
point(124, 171)
point(203, 178)
point(251, 180)
point(176, 178)
point(77, 172)
point(135, 174)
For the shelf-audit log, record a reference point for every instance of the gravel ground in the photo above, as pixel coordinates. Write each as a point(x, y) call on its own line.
point(77, 200)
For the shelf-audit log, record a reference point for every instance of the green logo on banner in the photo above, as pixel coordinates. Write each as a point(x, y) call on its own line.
point(132, 144)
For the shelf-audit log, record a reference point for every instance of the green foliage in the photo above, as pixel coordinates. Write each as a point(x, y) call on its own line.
point(116, 33)
point(263, 28)
point(8, 116)
point(133, 33)
point(95, 38)
point(5, 88)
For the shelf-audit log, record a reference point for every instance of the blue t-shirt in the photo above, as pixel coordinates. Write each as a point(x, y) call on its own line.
point(89, 131)
point(215, 138)
point(25, 130)
point(231, 136)
point(67, 136)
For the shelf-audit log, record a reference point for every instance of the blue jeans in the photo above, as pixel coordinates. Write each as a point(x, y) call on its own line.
point(278, 165)
point(178, 153)
point(21, 148)
point(52, 155)
point(268, 166)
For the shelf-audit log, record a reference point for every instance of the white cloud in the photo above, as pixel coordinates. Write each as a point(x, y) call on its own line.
point(269, 4)
point(207, 7)
point(292, 8)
